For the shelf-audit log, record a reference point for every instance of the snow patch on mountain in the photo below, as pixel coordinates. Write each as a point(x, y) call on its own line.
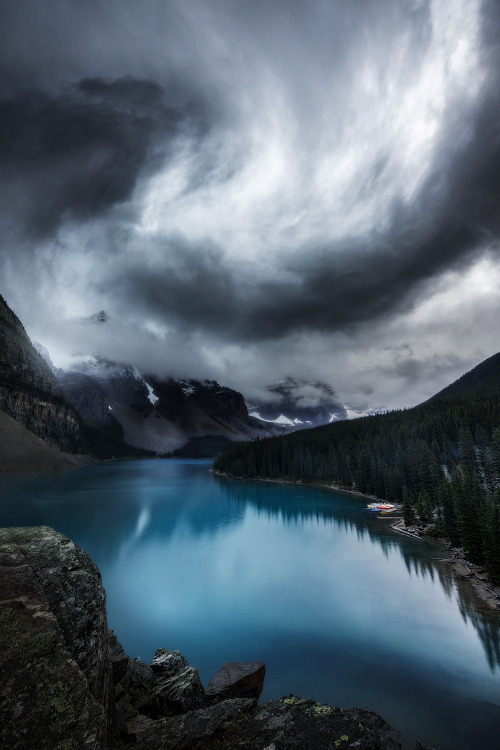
point(298, 404)
point(281, 419)
point(151, 396)
point(355, 412)
point(187, 388)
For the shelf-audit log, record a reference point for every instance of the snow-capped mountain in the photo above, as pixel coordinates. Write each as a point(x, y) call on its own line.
point(355, 411)
point(160, 415)
point(298, 404)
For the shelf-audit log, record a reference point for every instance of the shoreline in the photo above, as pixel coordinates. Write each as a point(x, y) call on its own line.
point(462, 570)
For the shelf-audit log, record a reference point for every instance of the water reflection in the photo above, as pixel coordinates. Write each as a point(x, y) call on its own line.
point(487, 627)
point(422, 558)
point(133, 502)
point(338, 606)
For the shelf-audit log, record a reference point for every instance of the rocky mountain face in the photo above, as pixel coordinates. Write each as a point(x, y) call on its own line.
point(22, 450)
point(298, 404)
point(54, 655)
point(68, 684)
point(160, 415)
point(29, 392)
point(86, 395)
point(130, 408)
point(163, 415)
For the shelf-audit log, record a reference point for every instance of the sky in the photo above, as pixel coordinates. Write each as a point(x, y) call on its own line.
point(255, 189)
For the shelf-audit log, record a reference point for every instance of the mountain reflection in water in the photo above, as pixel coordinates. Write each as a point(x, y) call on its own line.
point(340, 607)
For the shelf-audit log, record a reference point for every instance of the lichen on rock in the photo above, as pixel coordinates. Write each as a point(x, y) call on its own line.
point(53, 657)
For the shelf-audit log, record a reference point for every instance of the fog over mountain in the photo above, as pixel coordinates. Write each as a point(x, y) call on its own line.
point(257, 189)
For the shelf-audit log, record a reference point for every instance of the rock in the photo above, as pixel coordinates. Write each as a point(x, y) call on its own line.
point(22, 450)
point(291, 723)
point(176, 684)
point(294, 723)
point(169, 686)
point(53, 644)
point(118, 658)
point(86, 395)
point(203, 728)
point(68, 685)
point(133, 695)
point(29, 391)
point(236, 680)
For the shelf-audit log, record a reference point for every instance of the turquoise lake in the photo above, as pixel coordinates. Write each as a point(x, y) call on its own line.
point(339, 607)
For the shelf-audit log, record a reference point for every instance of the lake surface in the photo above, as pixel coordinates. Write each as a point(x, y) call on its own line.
point(340, 608)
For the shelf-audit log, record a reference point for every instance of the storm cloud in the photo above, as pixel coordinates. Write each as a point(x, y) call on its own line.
point(307, 185)
point(73, 156)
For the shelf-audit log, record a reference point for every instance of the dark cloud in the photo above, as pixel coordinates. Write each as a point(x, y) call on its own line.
point(260, 174)
point(413, 370)
point(75, 155)
point(455, 215)
point(191, 286)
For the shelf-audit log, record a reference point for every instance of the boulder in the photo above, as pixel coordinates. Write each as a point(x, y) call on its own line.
point(296, 723)
point(177, 685)
point(118, 658)
point(210, 727)
point(236, 680)
point(53, 644)
point(167, 687)
point(291, 723)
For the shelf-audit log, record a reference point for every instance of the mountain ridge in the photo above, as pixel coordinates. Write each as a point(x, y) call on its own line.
point(29, 391)
point(484, 376)
point(440, 460)
point(45, 423)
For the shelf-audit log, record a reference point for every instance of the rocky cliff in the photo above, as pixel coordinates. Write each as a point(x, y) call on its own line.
point(21, 450)
point(85, 395)
point(160, 415)
point(68, 685)
point(54, 644)
point(29, 392)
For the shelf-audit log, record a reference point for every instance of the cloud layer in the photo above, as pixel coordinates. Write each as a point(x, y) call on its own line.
point(257, 189)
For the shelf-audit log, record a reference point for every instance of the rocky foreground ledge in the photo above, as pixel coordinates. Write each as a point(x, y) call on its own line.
point(68, 685)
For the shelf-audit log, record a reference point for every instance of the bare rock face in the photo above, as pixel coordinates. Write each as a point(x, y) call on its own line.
point(28, 389)
point(236, 680)
point(294, 723)
point(67, 684)
point(204, 728)
point(177, 685)
point(22, 450)
point(290, 723)
point(53, 644)
point(85, 395)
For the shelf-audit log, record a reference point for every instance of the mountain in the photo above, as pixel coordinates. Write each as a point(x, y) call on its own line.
point(29, 391)
point(89, 399)
point(161, 415)
point(482, 379)
point(44, 418)
point(166, 415)
point(22, 450)
point(298, 404)
point(441, 459)
point(101, 407)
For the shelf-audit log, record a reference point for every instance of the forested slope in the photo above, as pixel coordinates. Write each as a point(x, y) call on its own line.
point(441, 459)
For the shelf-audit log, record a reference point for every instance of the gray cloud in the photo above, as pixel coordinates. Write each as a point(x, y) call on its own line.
point(454, 216)
point(277, 176)
point(73, 156)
